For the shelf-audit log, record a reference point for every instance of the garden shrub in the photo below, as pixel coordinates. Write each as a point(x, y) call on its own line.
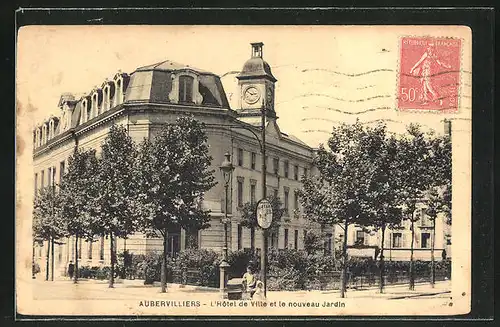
point(240, 260)
point(149, 268)
point(206, 262)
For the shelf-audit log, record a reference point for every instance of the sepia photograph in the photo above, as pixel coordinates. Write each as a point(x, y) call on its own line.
point(206, 170)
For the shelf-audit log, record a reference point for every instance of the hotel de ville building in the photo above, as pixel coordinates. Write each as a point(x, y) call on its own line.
point(157, 94)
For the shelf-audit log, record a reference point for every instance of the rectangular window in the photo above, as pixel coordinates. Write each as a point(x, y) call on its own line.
point(42, 178)
point(191, 239)
point(295, 201)
point(49, 176)
point(360, 237)
point(296, 172)
point(240, 237)
point(424, 219)
point(397, 240)
point(276, 165)
point(426, 238)
point(36, 184)
point(240, 193)
point(276, 195)
point(101, 248)
point(274, 239)
point(285, 202)
point(53, 177)
point(286, 238)
point(89, 254)
point(252, 193)
point(252, 237)
point(61, 170)
point(296, 239)
point(305, 172)
point(328, 243)
point(285, 168)
point(186, 89)
point(240, 157)
point(254, 159)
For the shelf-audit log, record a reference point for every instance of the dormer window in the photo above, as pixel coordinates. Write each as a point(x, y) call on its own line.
point(186, 89)
point(120, 85)
point(95, 104)
point(44, 133)
point(106, 97)
point(86, 111)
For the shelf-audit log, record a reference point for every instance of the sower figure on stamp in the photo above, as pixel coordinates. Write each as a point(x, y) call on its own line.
point(426, 60)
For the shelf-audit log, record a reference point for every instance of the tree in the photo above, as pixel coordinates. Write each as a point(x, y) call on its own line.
point(174, 175)
point(384, 188)
point(438, 196)
point(116, 204)
point(339, 194)
point(78, 192)
point(249, 215)
point(414, 171)
point(48, 224)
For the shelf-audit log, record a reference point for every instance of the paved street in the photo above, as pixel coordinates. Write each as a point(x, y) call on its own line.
point(89, 290)
point(132, 297)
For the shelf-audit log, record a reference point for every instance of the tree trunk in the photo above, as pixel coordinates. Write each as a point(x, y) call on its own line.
point(382, 271)
point(112, 253)
point(75, 278)
point(164, 263)
point(33, 262)
point(52, 259)
point(433, 268)
point(343, 276)
point(47, 261)
point(412, 277)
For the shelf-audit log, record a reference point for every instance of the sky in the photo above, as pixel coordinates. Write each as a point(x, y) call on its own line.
point(326, 74)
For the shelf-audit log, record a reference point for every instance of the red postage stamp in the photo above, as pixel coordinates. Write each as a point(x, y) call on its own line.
point(429, 74)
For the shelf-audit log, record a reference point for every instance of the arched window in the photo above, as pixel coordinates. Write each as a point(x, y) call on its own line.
point(105, 97)
point(118, 99)
point(186, 89)
point(95, 104)
point(44, 133)
point(85, 111)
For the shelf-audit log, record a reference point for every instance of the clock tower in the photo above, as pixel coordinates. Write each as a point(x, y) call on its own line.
point(256, 87)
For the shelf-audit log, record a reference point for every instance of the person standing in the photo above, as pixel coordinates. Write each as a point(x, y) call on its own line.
point(71, 269)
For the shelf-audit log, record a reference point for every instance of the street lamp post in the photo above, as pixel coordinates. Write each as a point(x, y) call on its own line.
point(226, 169)
point(263, 257)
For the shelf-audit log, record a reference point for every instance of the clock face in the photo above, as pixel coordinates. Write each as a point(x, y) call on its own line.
point(251, 95)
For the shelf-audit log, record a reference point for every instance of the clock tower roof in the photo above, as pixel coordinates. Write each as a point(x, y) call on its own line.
point(256, 67)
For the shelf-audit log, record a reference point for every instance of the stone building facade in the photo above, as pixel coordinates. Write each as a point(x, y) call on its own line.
point(157, 94)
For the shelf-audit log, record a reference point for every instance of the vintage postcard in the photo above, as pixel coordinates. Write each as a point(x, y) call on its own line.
point(243, 170)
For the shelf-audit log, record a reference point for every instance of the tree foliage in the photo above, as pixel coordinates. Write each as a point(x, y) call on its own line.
point(47, 219)
point(174, 174)
point(116, 204)
point(78, 192)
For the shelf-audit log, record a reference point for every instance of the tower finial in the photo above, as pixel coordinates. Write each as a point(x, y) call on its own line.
point(257, 49)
